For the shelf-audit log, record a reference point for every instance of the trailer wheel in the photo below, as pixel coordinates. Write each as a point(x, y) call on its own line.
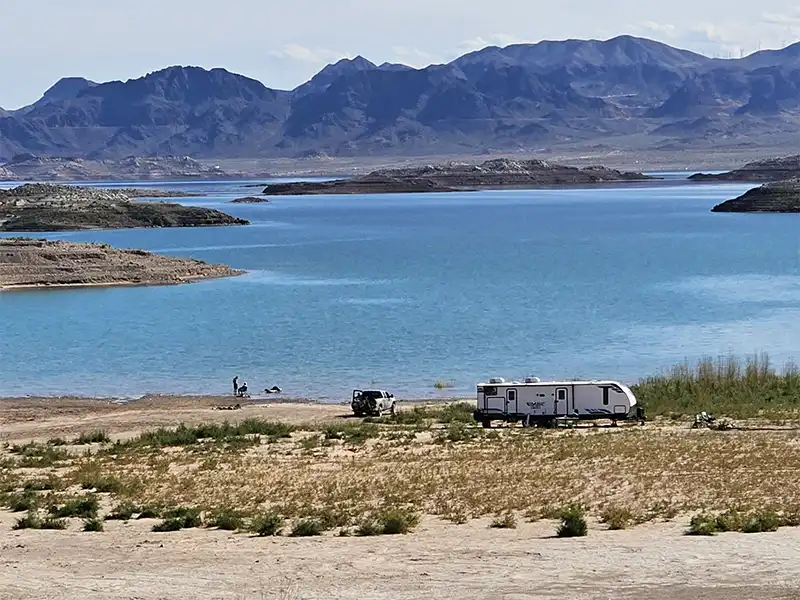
point(486, 423)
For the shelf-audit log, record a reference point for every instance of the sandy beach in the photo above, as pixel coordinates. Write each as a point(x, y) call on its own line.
point(438, 560)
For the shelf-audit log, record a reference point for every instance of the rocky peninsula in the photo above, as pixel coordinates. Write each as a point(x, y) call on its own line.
point(775, 197)
point(47, 207)
point(33, 263)
point(450, 177)
point(771, 169)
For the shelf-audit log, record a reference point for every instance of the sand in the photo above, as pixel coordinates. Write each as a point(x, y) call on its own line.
point(439, 560)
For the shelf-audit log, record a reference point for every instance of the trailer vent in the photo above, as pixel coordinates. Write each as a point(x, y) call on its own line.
point(496, 380)
point(532, 380)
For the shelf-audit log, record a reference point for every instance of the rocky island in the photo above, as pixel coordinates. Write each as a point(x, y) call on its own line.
point(249, 200)
point(771, 169)
point(32, 263)
point(450, 177)
point(775, 197)
point(47, 207)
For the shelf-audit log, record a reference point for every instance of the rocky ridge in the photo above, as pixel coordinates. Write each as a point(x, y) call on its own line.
point(26, 263)
point(27, 167)
point(771, 169)
point(49, 207)
point(449, 177)
point(773, 197)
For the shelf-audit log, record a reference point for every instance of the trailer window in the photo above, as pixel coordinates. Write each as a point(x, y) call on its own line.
point(562, 394)
point(512, 395)
point(605, 396)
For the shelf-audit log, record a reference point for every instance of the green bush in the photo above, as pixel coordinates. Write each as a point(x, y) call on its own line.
point(40, 485)
point(102, 484)
point(226, 519)
point(307, 528)
point(188, 517)
point(573, 523)
point(724, 386)
point(369, 527)
point(149, 512)
point(352, 433)
point(268, 523)
point(703, 524)
point(92, 525)
point(394, 521)
point(27, 500)
point(168, 525)
point(94, 437)
point(29, 521)
point(225, 432)
point(84, 507)
point(122, 512)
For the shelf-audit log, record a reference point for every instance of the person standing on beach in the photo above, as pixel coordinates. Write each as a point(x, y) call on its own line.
point(235, 385)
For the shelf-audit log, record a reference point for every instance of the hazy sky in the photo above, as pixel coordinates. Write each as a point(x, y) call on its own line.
point(282, 43)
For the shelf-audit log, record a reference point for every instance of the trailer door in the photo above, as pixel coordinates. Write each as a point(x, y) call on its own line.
point(511, 402)
point(562, 402)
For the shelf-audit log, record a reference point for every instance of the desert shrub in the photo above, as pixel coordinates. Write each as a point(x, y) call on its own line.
point(149, 512)
point(351, 433)
point(40, 485)
point(53, 523)
point(84, 507)
point(27, 500)
point(102, 483)
point(226, 519)
point(730, 520)
point(456, 432)
point(29, 521)
point(94, 524)
point(268, 523)
point(504, 521)
point(617, 517)
point(188, 517)
point(94, 437)
point(306, 528)
point(762, 522)
point(225, 432)
point(122, 512)
point(702, 524)
point(368, 527)
point(573, 522)
point(39, 456)
point(168, 525)
point(57, 441)
point(394, 521)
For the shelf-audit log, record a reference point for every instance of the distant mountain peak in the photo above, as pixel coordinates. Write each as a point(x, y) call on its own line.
point(66, 88)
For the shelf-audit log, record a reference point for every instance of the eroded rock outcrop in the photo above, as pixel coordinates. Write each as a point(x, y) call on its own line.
point(42, 263)
point(47, 207)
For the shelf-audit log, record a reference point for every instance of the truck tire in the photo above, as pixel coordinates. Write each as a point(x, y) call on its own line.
point(393, 409)
point(486, 423)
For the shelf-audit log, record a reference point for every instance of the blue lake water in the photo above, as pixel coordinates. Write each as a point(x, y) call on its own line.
point(400, 291)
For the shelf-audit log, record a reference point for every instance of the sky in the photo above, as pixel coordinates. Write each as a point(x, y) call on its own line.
point(284, 43)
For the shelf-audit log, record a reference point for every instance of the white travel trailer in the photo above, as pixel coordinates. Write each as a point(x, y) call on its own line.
point(535, 402)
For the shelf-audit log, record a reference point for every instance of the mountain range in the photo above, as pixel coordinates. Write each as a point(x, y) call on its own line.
point(517, 98)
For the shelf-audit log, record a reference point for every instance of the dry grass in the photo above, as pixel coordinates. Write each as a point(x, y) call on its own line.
point(456, 472)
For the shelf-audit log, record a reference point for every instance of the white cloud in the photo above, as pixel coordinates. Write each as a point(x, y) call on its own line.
point(413, 57)
point(665, 29)
point(303, 54)
point(495, 39)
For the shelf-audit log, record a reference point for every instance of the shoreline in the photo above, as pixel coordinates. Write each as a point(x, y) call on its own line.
point(113, 284)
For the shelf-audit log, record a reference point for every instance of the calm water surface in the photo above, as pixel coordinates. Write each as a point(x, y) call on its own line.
point(404, 290)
